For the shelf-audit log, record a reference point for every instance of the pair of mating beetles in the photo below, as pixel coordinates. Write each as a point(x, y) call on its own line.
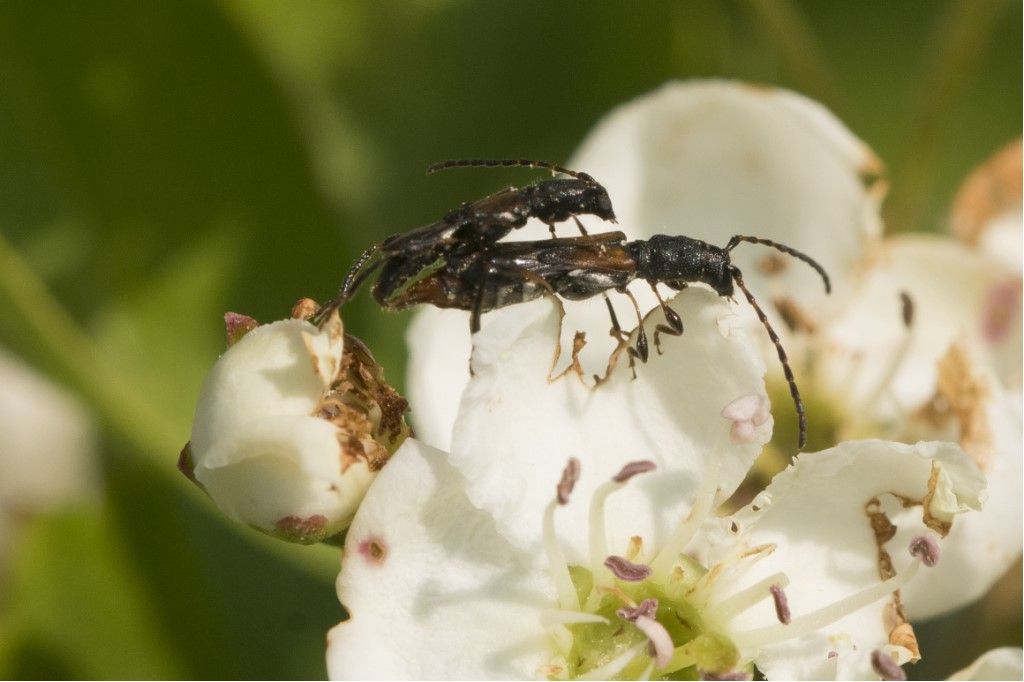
point(459, 262)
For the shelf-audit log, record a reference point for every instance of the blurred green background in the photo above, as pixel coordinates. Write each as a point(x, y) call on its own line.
point(162, 163)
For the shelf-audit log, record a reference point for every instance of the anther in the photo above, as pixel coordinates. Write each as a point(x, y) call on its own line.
point(746, 413)
point(781, 604)
point(906, 309)
point(885, 666)
point(925, 548)
point(632, 469)
point(647, 608)
point(570, 475)
point(624, 569)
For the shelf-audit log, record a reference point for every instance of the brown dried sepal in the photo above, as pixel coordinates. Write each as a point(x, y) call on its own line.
point(369, 413)
point(304, 309)
point(991, 189)
point(966, 394)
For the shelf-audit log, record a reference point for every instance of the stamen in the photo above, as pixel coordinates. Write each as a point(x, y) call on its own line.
point(570, 475)
point(648, 607)
point(648, 671)
point(598, 532)
point(885, 666)
point(624, 569)
point(925, 548)
point(731, 607)
point(689, 525)
point(614, 666)
point(823, 617)
point(896, 361)
point(633, 468)
point(556, 617)
point(659, 638)
point(568, 600)
point(781, 604)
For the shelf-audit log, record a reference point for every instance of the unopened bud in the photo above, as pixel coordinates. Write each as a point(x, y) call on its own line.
point(291, 426)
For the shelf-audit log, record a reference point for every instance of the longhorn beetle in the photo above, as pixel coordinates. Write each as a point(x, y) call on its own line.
point(582, 267)
point(473, 227)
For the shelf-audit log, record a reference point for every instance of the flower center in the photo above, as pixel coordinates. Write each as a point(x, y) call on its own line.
point(630, 617)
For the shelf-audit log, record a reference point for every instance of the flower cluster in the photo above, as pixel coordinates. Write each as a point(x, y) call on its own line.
point(544, 524)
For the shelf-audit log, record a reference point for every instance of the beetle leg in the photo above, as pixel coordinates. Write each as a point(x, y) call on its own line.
point(620, 336)
point(583, 230)
point(641, 349)
point(675, 323)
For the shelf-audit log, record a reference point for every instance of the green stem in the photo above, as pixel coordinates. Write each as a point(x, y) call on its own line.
point(60, 344)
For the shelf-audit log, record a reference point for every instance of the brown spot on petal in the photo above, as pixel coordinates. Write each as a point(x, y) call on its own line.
point(373, 550)
point(990, 190)
point(883, 530)
point(302, 530)
point(237, 325)
point(967, 393)
point(304, 309)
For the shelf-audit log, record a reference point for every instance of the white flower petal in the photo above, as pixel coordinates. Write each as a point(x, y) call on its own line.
point(433, 591)
point(47, 448)
point(517, 428)
point(815, 514)
point(270, 371)
point(711, 159)
point(1004, 663)
point(47, 451)
point(439, 350)
point(708, 159)
point(284, 475)
point(949, 287)
point(982, 546)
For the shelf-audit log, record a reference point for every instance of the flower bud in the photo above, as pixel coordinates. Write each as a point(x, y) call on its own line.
point(291, 426)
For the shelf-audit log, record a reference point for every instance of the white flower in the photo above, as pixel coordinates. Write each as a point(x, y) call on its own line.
point(458, 566)
point(791, 583)
point(48, 450)
point(291, 426)
point(921, 339)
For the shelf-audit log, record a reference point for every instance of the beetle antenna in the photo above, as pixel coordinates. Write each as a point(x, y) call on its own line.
point(789, 250)
point(507, 163)
point(793, 390)
point(357, 274)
